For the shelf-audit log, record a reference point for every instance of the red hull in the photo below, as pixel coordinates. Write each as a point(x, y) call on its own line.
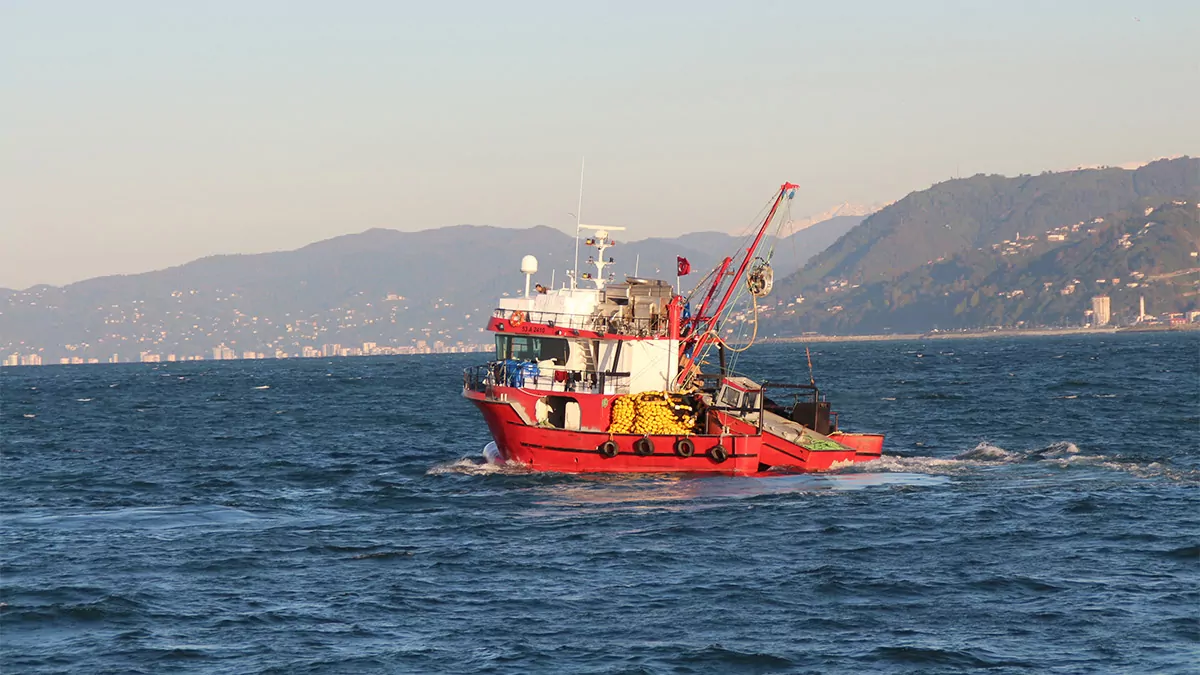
point(749, 451)
point(547, 449)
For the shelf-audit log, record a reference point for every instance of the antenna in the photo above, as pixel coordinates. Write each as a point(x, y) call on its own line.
point(578, 217)
point(529, 268)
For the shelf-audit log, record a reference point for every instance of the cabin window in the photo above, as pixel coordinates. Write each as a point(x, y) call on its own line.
point(751, 402)
point(731, 397)
point(530, 348)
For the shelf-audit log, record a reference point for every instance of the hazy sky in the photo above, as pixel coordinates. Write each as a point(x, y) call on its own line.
point(138, 135)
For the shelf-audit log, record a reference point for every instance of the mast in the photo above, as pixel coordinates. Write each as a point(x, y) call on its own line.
point(578, 219)
point(705, 325)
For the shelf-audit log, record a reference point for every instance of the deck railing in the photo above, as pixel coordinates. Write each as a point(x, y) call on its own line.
point(527, 375)
point(656, 326)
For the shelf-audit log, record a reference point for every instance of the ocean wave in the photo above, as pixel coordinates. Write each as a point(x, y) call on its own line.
point(106, 607)
point(942, 657)
point(1062, 454)
point(1139, 469)
point(721, 658)
point(468, 466)
point(897, 464)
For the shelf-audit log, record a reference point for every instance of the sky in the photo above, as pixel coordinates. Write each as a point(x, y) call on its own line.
point(140, 135)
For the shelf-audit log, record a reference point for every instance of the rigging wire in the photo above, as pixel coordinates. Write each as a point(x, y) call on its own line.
point(787, 213)
point(782, 218)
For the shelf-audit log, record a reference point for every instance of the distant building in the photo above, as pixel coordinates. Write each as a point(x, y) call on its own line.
point(223, 352)
point(1101, 310)
point(12, 360)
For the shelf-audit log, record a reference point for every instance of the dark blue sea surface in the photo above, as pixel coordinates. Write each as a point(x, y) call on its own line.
point(1036, 511)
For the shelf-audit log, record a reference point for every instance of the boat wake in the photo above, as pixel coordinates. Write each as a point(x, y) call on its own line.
point(489, 464)
point(468, 466)
point(1063, 454)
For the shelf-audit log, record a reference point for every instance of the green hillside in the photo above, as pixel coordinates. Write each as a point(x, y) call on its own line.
point(961, 215)
point(1039, 280)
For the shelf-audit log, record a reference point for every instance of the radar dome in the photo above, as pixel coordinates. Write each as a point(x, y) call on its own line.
point(529, 265)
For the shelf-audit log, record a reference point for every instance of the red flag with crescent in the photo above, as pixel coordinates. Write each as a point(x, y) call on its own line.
point(682, 266)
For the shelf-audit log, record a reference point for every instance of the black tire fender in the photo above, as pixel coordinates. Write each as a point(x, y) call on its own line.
point(608, 449)
point(684, 447)
point(718, 453)
point(643, 447)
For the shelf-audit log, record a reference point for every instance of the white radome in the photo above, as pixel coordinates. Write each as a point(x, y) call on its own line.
point(529, 265)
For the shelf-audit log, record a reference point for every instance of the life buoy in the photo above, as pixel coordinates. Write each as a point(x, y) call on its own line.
point(718, 453)
point(684, 447)
point(516, 318)
point(608, 449)
point(643, 447)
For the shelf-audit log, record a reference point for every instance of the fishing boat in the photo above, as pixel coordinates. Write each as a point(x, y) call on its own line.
point(624, 376)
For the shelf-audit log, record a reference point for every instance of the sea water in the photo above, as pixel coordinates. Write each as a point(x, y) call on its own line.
point(1036, 511)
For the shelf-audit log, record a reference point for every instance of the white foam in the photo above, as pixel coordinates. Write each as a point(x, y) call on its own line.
point(468, 466)
point(918, 465)
point(1140, 470)
point(986, 452)
point(1058, 449)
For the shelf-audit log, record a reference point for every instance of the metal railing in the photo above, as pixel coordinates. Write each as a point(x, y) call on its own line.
point(656, 326)
point(526, 375)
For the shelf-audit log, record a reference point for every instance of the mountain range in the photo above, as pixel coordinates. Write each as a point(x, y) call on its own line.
point(963, 215)
point(1147, 253)
point(982, 210)
point(973, 252)
point(399, 289)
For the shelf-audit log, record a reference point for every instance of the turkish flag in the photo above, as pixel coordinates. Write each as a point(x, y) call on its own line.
point(682, 266)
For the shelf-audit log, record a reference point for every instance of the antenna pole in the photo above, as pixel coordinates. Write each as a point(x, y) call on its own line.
point(578, 219)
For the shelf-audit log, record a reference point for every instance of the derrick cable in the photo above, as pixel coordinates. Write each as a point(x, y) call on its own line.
point(754, 298)
point(747, 238)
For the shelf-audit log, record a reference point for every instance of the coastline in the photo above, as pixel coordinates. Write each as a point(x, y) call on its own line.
point(968, 335)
